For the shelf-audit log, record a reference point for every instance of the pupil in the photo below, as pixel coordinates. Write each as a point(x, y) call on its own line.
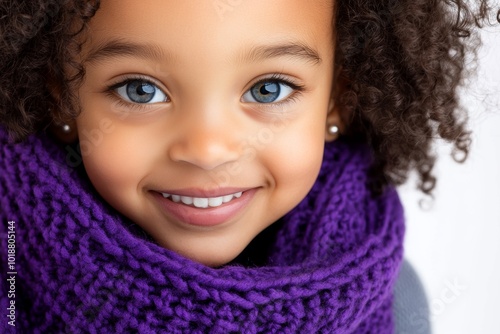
point(268, 88)
point(266, 92)
point(140, 91)
point(145, 89)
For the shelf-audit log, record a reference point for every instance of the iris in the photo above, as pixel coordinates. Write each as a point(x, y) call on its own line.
point(140, 91)
point(266, 92)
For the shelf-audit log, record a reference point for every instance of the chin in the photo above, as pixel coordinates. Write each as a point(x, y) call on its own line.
point(211, 257)
point(212, 260)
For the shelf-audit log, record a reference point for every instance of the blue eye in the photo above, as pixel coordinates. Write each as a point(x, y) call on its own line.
point(141, 91)
point(268, 91)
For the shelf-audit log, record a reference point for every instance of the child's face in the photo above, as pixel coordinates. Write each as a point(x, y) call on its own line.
point(213, 101)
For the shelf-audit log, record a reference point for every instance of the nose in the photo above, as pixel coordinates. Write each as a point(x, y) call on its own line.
point(206, 144)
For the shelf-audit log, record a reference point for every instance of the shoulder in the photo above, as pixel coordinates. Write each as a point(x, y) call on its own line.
point(410, 306)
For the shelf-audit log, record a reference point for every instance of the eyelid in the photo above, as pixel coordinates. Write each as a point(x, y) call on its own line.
point(280, 77)
point(125, 79)
point(276, 107)
point(122, 80)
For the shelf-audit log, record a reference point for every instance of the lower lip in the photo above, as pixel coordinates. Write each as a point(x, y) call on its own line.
point(206, 217)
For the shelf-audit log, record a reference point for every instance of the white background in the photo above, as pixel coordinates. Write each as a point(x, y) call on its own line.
point(456, 242)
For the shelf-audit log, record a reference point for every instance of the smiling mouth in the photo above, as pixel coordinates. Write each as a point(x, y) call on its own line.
point(205, 208)
point(202, 202)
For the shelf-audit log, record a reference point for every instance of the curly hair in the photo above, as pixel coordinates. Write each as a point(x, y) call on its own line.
point(402, 61)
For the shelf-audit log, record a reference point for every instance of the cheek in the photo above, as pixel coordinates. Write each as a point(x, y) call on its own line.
point(115, 163)
point(299, 157)
point(106, 171)
point(298, 151)
point(296, 156)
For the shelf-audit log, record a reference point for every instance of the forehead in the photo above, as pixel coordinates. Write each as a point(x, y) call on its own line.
point(219, 28)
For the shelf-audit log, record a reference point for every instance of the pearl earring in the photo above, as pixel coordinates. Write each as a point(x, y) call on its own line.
point(333, 130)
point(66, 128)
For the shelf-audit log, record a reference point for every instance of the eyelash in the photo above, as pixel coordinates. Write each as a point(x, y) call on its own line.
point(111, 91)
point(277, 77)
point(280, 78)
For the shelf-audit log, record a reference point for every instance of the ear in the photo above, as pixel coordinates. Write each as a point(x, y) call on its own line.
point(65, 132)
point(334, 126)
point(62, 126)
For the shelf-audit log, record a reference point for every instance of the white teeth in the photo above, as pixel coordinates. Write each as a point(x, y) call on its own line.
point(203, 202)
point(227, 198)
point(200, 202)
point(187, 200)
point(215, 201)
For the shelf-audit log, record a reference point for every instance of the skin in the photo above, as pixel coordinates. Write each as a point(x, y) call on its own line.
point(206, 135)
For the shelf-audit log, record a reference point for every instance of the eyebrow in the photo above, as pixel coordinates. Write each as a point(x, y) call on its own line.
point(120, 48)
point(292, 50)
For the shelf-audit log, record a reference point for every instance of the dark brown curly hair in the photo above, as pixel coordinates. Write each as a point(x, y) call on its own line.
point(402, 61)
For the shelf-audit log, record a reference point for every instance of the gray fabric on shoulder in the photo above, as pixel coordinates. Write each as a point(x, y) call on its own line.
point(410, 307)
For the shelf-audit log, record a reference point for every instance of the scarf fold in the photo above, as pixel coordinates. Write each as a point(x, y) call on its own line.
point(84, 268)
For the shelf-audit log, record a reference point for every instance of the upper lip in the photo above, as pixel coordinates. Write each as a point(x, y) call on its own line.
point(195, 192)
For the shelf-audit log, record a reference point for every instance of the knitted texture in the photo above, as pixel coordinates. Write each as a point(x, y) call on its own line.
point(84, 268)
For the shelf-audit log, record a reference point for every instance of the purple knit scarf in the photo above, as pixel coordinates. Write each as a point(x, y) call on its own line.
point(83, 268)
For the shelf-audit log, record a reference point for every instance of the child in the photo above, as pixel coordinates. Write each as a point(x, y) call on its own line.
point(156, 139)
